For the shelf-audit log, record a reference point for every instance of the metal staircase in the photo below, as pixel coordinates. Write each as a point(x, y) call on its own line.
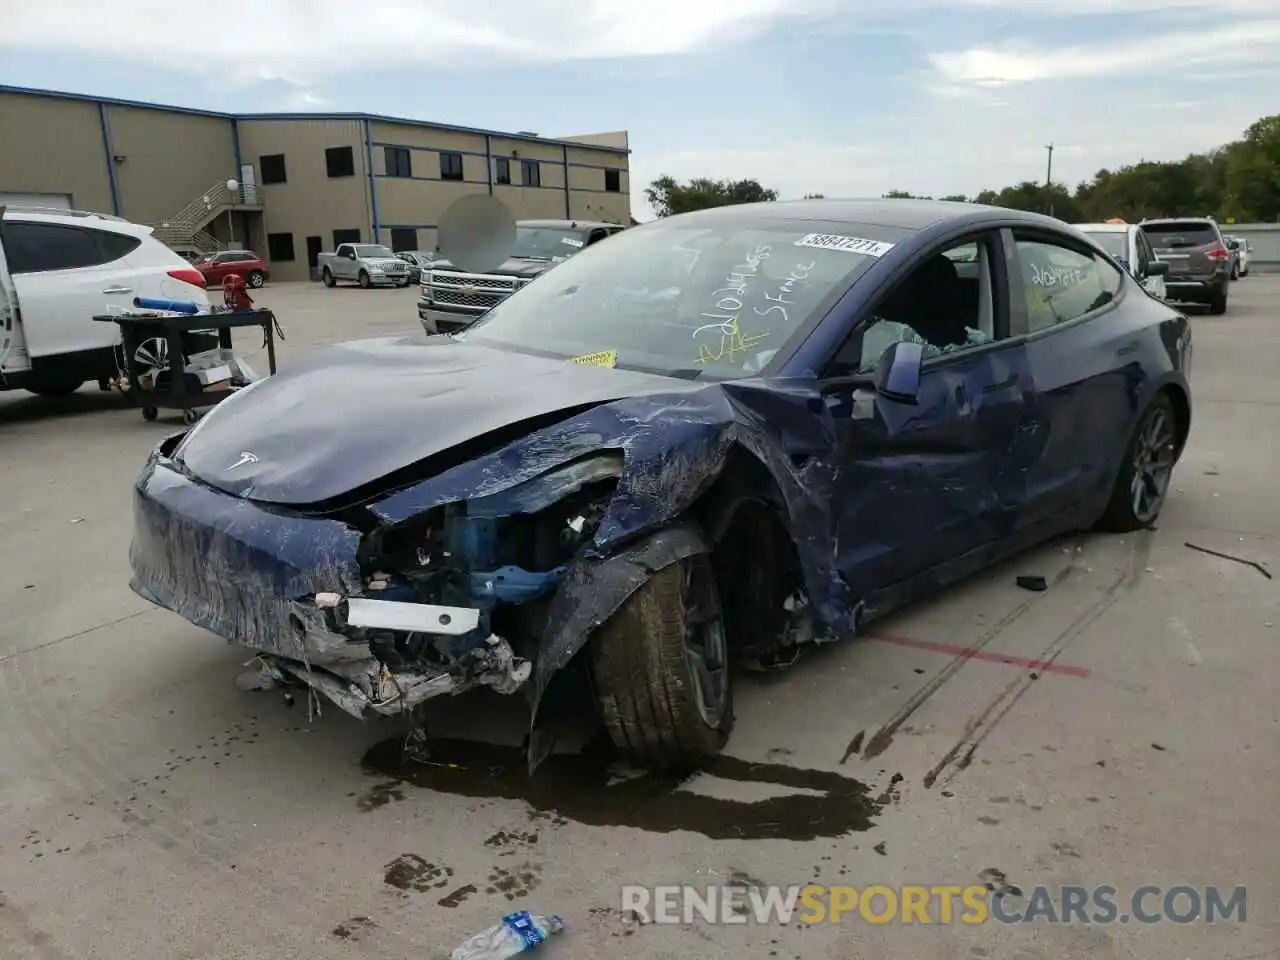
point(184, 231)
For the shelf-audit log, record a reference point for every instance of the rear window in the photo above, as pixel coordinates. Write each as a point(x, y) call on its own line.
point(1112, 241)
point(1192, 233)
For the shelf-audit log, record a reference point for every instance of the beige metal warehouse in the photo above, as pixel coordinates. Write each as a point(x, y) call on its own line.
point(306, 182)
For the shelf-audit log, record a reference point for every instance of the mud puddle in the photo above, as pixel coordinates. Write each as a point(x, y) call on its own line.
point(586, 788)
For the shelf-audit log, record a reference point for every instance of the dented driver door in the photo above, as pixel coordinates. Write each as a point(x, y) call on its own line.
point(921, 483)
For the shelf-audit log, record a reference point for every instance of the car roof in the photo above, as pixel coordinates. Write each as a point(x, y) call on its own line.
point(891, 212)
point(77, 218)
point(581, 224)
point(1104, 227)
point(1161, 220)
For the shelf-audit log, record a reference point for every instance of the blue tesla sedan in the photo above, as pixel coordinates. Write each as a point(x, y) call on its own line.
point(715, 439)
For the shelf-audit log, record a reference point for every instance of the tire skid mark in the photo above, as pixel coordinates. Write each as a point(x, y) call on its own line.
point(980, 727)
point(883, 737)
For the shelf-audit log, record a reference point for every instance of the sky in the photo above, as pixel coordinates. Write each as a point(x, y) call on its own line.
point(839, 97)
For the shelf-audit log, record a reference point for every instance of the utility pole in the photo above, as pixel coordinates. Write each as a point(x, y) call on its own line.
point(1048, 178)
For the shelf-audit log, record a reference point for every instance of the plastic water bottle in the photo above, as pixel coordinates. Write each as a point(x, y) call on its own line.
point(517, 933)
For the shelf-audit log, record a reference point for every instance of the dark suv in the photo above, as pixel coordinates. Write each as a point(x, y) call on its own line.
point(1198, 258)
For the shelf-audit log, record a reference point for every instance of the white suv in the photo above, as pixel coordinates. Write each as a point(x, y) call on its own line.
point(58, 268)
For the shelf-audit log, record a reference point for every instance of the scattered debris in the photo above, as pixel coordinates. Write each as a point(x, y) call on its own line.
point(854, 746)
point(77, 519)
point(1226, 556)
point(518, 933)
point(1036, 584)
point(881, 848)
point(351, 929)
point(1156, 746)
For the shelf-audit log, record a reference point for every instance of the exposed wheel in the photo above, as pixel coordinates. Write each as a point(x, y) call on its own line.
point(56, 389)
point(1218, 305)
point(256, 278)
point(1143, 482)
point(150, 413)
point(365, 281)
point(327, 276)
point(661, 670)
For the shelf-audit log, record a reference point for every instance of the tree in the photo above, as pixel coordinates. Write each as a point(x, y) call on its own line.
point(1239, 180)
point(668, 197)
point(815, 196)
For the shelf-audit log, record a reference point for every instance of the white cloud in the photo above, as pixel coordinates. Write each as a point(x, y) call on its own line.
point(962, 146)
point(1233, 43)
point(303, 41)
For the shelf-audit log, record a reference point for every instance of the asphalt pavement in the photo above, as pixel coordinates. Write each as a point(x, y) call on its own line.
point(149, 809)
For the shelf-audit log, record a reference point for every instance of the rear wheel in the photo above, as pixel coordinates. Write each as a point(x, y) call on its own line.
point(365, 281)
point(661, 671)
point(327, 277)
point(1218, 305)
point(1143, 483)
point(256, 278)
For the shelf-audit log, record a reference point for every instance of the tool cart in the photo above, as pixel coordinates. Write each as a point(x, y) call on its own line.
point(178, 360)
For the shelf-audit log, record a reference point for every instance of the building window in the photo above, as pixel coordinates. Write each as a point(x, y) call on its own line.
point(272, 168)
point(398, 163)
point(340, 162)
point(503, 172)
point(404, 238)
point(280, 247)
point(531, 173)
point(450, 166)
point(345, 236)
point(613, 181)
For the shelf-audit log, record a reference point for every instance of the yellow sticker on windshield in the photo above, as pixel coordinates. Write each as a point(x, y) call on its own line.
point(605, 358)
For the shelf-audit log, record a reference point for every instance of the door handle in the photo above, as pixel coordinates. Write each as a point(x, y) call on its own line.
point(118, 290)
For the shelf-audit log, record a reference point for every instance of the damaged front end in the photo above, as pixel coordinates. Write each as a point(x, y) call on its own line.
point(378, 619)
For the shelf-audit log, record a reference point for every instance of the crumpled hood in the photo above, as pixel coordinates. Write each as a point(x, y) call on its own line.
point(358, 411)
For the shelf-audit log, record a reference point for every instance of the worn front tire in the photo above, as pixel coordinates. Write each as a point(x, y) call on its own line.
point(661, 673)
point(327, 277)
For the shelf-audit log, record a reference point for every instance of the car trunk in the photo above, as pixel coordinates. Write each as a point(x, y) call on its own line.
point(1185, 245)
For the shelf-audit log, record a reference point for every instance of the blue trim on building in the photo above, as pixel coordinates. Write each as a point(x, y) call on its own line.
point(373, 181)
point(235, 144)
point(366, 117)
point(488, 161)
point(109, 154)
point(568, 194)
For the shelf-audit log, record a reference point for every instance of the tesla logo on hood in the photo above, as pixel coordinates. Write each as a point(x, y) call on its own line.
point(246, 458)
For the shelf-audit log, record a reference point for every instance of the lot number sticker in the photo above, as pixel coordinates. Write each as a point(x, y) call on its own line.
point(834, 241)
point(605, 358)
point(571, 242)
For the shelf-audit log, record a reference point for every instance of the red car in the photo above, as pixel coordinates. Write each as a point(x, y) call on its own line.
point(246, 263)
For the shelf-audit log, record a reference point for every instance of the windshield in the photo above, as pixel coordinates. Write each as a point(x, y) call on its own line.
point(1112, 241)
point(373, 251)
point(547, 243)
point(682, 299)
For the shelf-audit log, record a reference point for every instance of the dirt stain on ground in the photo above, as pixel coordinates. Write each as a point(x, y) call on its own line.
point(411, 872)
point(581, 787)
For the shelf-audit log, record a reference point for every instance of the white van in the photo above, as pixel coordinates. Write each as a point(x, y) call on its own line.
point(58, 268)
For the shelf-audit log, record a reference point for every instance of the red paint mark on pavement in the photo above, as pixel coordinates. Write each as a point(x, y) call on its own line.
point(956, 650)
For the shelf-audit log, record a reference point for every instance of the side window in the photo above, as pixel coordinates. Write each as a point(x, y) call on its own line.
point(1061, 284)
point(947, 303)
point(598, 234)
point(42, 247)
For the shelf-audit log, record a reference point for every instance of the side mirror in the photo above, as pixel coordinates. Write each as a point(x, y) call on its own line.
point(1158, 268)
point(897, 374)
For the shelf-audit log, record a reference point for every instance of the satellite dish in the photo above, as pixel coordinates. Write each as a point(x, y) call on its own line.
point(476, 233)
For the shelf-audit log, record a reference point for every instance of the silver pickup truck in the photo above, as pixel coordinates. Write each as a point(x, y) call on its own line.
point(453, 299)
point(368, 264)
